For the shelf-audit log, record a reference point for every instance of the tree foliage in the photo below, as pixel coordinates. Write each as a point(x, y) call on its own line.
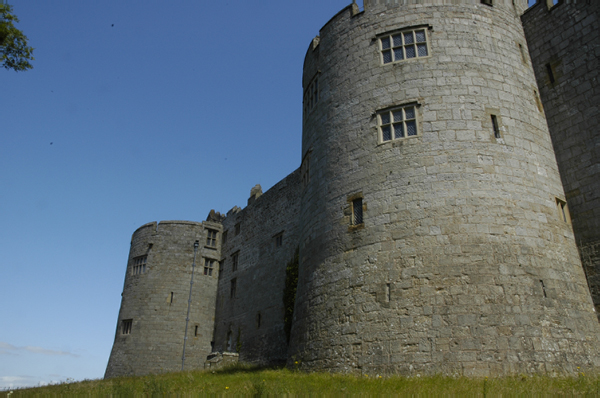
point(14, 51)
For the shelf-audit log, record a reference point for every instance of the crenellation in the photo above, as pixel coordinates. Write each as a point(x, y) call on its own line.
point(445, 251)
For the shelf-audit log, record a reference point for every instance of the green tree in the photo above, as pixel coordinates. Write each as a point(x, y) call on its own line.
point(14, 51)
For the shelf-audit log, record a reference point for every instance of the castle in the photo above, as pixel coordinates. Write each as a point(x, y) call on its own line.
point(445, 217)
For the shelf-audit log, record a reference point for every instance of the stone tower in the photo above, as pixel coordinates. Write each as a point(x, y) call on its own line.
point(430, 237)
point(151, 326)
point(567, 68)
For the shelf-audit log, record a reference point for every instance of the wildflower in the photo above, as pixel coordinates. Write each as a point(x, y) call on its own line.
point(227, 388)
point(297, 363)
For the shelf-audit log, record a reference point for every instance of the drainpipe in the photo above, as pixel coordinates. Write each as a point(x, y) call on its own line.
point(187, 318)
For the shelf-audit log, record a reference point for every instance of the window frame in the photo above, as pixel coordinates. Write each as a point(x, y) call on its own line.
point(233, 288)
point(311, 95)
point(209, 266)
point(391, 112)
point(394, 46)
point(211, 238)
point(139, 265)
point(235, 261)
point(126, 326)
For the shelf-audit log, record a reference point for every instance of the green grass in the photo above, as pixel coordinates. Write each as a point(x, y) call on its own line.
point(249, 381)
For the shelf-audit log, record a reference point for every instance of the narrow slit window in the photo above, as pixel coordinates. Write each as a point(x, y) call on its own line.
point(550, 73)
point(543, 288)
point(563, 210)
point(258, 320)
point(234, 261)
point(523, 56)
point(495, 126)
point(171, 298)
point(357, 211)
point(233, 288)
point(196, 331)
point(388, 293)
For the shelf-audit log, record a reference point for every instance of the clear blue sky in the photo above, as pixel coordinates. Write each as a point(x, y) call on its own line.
point(135, 111)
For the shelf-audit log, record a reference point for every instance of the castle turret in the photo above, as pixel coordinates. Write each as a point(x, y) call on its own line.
point(161, 310)
point(567, 68)
point(430, 236)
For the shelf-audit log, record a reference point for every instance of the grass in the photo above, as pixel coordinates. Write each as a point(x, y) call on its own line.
point(243, 380)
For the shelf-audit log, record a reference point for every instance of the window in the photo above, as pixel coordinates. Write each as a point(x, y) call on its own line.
point(397, 123)
point(233, 288)
point(224, 237)
point(279, 239)
point(495, 126)
point(139, 265)
point(357, 211)
point(196, 331)
point(258, 319)
point(488, 2)
point(305, 170)
point(211, 238)
point(538, 101)
point(234, 261)
point(403, 45)
point(238, 228)
point(550, 73)
point(523, 55)
point(208, 266)
point(563, 210)
point(126, 326)
point(311, 96)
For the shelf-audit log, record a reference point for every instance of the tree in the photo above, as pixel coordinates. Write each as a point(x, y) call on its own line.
point(14, 51)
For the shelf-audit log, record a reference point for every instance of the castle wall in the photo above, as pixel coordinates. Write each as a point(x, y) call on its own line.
point(250, 319)
point(461, 263)
point(567, 69)
point(152, 318)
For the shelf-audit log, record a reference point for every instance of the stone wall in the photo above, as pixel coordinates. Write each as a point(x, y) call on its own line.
point(155, 300)
point(462, 264)
point(249, 319)
point(567, 68)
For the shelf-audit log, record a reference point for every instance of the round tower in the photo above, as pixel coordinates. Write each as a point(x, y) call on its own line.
point(431, 240)
point(152, 325)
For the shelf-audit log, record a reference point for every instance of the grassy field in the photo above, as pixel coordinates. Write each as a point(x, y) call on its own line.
point(248, 381)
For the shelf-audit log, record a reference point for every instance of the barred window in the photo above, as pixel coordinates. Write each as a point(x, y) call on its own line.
point(139, 265)
point(209, 265)
point(357, 211)
point(126, 326)
point(397, 123)
point(403, 45)
point(211, 238)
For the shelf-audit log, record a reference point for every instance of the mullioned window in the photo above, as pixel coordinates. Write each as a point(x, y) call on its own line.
point(403, 45)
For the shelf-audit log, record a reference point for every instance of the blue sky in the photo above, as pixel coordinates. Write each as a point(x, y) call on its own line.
point(135, 111)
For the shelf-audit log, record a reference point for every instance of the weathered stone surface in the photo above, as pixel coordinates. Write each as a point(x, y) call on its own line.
point(567, 68)
point(460, 262)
